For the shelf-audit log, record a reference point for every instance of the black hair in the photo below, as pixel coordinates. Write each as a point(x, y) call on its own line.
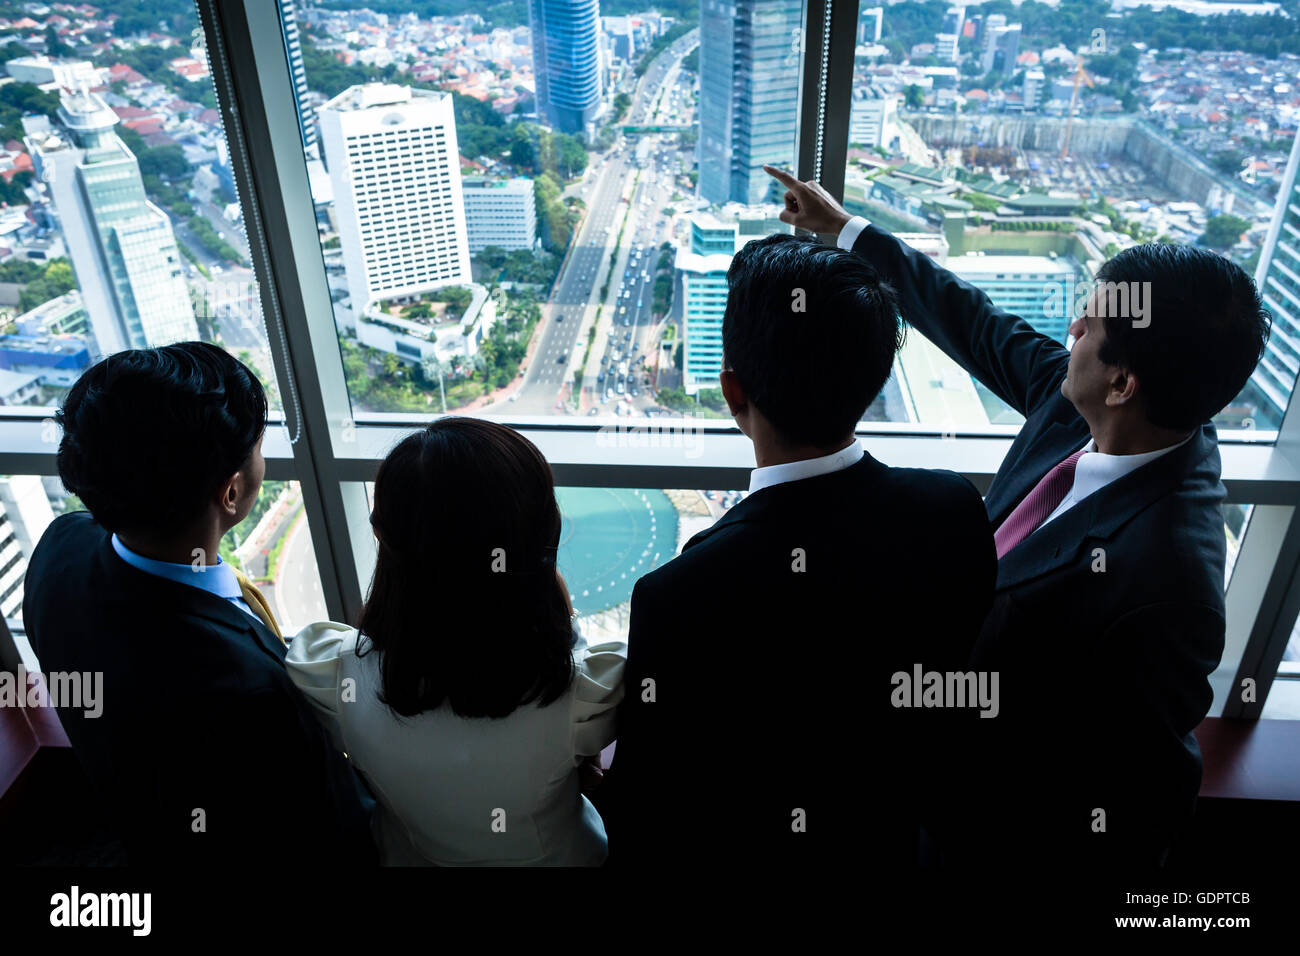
point(150, 434)
point(465, 605)
point(1201, 332)
point(810, 332)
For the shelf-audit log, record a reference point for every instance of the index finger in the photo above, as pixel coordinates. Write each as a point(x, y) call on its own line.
point(781, 176)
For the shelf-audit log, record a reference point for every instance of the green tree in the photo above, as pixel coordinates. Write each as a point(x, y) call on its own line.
point(1223, 231)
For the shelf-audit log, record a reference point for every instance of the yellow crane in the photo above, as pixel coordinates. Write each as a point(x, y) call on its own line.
point(1080, 76)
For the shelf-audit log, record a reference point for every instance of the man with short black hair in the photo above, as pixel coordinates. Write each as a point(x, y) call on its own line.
point(772, 644)
point(1109, 613)
point(204, 750)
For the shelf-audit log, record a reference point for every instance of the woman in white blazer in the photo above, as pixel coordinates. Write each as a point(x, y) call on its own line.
point(467, 698)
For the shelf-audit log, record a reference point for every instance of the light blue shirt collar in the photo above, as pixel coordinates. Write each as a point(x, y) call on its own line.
point(218, 579)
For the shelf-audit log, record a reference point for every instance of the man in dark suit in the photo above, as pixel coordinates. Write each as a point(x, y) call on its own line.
point(1109, 614)
point(770, 716)
point(204, 751)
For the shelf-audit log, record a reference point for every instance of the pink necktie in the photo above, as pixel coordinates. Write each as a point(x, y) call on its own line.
point(1037, 505)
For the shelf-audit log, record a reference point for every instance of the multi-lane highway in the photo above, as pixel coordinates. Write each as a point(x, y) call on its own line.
point(626, 191)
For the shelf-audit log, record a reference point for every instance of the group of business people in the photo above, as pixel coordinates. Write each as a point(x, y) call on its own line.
point(755, 705)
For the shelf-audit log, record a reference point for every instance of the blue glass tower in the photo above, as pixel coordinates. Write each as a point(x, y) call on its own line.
point(749, 78)
point(566, 61)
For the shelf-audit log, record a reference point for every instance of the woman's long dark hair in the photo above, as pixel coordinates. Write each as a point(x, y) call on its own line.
point(465, 605)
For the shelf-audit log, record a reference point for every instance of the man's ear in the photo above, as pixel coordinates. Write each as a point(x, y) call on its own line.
point(229, 493)
point(733, 392)
point(1124, 387)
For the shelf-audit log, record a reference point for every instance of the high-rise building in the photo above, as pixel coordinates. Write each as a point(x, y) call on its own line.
point(1001, 56)
point(870, 22)
point(1031, 91)
point(394, 167)
point(567, 61)
point(749, 76)
point(1039, 289)
point(1278, 279)
point(946, 40)
point(122, 246)
point(67, 74)
point(499, 212)
point(703, 269)
point(25, 513)
point(992, 27)
point(873, 117)
point(293, 47)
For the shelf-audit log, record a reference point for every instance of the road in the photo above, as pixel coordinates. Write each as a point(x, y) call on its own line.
point(297, 596)
point(617, 198)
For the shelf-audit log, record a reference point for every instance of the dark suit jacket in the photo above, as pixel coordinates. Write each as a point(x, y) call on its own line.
point(772, 686)
point(198, 714)
point(1106, 623)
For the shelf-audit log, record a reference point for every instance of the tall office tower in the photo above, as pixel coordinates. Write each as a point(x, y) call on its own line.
point(703, 268)
point(395, 170)
point(873, 117)
point(1278, 279)
point(567, 61)
point(499, 212)
point(749, 77)
point(1039, 289)
point(25, 513)
point(293, 47)
point(945, 41)
point(870, 22)
point(122, 247)
point(1031, 91)
point(991, 29)
point(1004, 59)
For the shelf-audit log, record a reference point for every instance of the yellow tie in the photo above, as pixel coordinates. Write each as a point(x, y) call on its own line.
point(256, 603)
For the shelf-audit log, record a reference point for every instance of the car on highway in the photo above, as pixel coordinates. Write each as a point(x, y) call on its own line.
point(562, 359)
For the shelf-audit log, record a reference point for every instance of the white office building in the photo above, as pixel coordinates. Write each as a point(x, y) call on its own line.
point(25, 513)
point(129, 269)
point(873, 117)
point(394, 168)
point(499, 212)
point(870, 21)
point(1032, 90)
point(43, 71)
point(948, 37)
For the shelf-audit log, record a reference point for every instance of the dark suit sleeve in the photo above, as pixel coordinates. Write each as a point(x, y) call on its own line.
point(627, 798)
point(1151, 689)
point(1021, 366)
point(265, 778)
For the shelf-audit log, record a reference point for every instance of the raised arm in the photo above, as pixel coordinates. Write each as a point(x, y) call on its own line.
point(1018, 364)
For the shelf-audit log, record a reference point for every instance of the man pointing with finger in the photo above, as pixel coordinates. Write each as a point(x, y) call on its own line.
point(1108, 616)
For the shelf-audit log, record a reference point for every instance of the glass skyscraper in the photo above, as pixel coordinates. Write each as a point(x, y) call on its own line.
point(566, 61)
point(703, 267)
point(293, 47)
point(1278, 278)
point(749, 78)
point(122, 246)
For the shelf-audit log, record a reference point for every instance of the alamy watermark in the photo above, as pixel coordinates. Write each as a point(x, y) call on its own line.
point(68, 690)
point(1125, 300)
point(955, 689)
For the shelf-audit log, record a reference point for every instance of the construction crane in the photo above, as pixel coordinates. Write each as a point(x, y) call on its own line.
point(1080, 76)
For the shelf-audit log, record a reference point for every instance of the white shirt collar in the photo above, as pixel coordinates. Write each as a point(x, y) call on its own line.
point(770, 475)
point(1095, 470)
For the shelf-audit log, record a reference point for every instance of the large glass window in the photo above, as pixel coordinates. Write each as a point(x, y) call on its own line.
point(120, 220)
point(272, 546)
point(532, 215)
point(1022, 146)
